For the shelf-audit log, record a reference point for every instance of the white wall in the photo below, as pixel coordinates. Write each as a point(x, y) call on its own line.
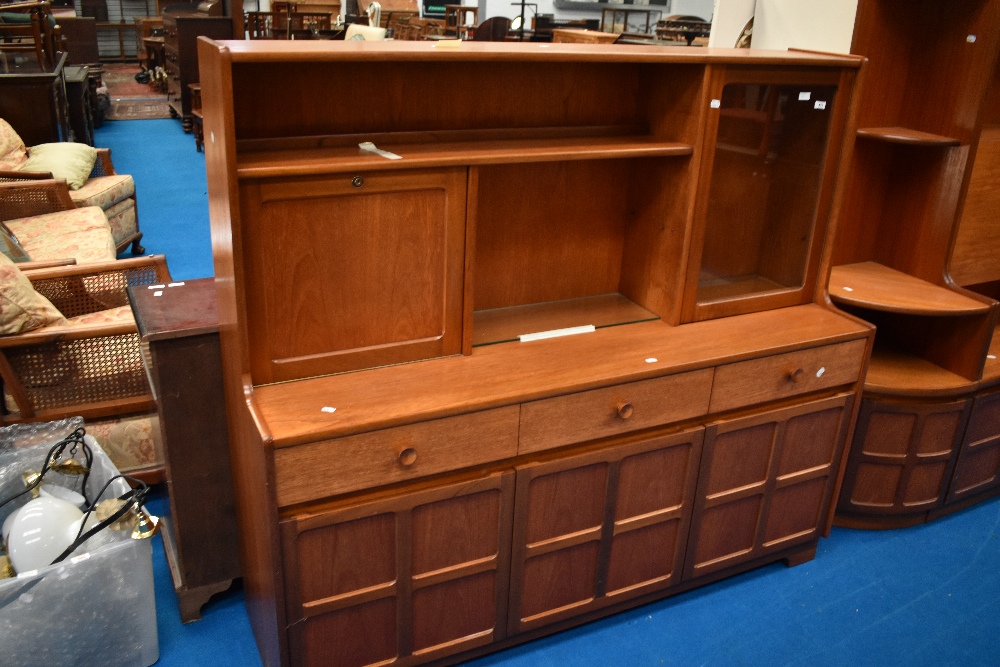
point(820, 25)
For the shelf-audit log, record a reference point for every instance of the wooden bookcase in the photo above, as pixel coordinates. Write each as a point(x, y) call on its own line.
point(904, 262)
point(416, 478)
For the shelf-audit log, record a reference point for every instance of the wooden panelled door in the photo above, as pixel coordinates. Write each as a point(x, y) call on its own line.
point(405, 580)
point(978, 466)
point(601, 527)
point(902, 457)
point(765, 483)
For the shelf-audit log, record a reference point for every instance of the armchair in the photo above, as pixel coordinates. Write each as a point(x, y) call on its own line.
point(49, 226)
point(91, 363)
point(114, 193)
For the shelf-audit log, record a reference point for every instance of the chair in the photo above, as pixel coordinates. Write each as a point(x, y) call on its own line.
point(456, 19)
point(50, 227)
point(90, 364)
point(368, 33)
point(113, 192)
point(30, 27)
point(493, 29)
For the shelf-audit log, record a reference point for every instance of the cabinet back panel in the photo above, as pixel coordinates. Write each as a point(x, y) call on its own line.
point(311, 99)
point(975, 257)
point(547, 232)
point(927, 75)
point(900, 207)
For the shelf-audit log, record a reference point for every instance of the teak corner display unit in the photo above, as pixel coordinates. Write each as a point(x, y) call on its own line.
point(924, 267)
point(546, 349)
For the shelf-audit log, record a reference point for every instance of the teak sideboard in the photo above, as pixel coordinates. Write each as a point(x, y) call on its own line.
point(562, 347)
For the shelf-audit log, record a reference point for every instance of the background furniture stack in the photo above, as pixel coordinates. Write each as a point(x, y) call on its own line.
point(912, 261)
point(182, 29)
point(497, 488)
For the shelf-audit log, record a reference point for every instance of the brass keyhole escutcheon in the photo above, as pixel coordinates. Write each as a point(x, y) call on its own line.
point(408, 456)
point(625, 410)
point(358, 181)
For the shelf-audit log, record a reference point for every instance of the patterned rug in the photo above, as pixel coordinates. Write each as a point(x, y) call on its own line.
point(131, 100)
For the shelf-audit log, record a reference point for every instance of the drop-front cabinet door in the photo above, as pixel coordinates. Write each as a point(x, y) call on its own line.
point(358, 270)
point(406, 579)
point(765, 483)
point(601, 527)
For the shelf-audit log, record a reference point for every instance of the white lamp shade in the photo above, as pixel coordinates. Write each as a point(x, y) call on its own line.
point(42, 530)
point(62, 493)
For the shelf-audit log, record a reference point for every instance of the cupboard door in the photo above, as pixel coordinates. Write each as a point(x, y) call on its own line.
point(408, 579)
point(902, 456)
point(601, 527)
point(360, 270)
point(978, 466)
point(765, 191)
point(765, 483)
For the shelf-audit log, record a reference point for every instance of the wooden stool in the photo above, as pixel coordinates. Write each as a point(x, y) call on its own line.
point(456, 19)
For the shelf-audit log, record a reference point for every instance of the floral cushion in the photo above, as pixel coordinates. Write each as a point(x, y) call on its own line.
point(13, 153)
point(117, 315)
point(21, 307)
point(104, 191)
point(123, 221)
point(82, 233)
point(129, 441)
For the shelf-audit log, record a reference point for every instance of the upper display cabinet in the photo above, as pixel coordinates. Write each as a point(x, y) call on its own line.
point(765, 200)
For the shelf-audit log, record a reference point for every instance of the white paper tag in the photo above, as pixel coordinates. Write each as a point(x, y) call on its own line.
point(555, 333)
point(328, 409)
point(820, 104)
point(804, 96)
point(371, 148)
point(79, 559)
point(715, 104)
point(176, 284)
point(156, 287)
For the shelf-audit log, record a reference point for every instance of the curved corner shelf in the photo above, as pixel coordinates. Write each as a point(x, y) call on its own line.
point(877, 287)
point(903, 135)
point(898, 373)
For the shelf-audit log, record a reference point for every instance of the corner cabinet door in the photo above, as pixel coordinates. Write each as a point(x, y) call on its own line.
point(902, 457)
point(404, 580)
point(601, 527)
point(765, 483)
point(978, 467)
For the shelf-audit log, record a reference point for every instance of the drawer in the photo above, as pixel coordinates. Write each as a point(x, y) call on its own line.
point(368, 460)
point(789, 374)
point(599, 413)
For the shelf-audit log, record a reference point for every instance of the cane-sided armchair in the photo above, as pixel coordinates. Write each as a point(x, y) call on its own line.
point(114, 193)
point(76, 351)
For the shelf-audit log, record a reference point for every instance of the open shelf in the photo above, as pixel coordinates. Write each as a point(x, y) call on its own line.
point(324, 160)
point(903, 135)
point(713, 289)
point(872, 285)
point(893, 371)
point(500, 325)
point(991, 371)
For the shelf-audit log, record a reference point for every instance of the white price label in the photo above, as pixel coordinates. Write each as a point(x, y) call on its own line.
point(820, 104)
point(715, 104)
point(805, 96)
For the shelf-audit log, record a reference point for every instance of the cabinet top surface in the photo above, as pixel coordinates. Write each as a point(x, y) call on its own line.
point(180, 309)
point(317, 408)
point(328, 50)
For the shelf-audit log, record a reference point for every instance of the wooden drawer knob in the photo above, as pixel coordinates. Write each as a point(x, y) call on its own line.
point(796, 375)
point(625, 410)
point(408, 457)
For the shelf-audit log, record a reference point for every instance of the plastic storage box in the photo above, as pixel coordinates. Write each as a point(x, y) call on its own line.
point(95, 608)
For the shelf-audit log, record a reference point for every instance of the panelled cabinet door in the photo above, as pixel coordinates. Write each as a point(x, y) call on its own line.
point(360, 270)
point(765, 483)
point(601, 527)
point(978, 466)
point(902, 456)
point(405, 580)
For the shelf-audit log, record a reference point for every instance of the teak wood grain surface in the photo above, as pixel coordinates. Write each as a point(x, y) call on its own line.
point(409, 494)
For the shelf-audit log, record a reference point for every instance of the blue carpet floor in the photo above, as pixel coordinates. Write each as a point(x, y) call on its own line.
point(922, 596)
